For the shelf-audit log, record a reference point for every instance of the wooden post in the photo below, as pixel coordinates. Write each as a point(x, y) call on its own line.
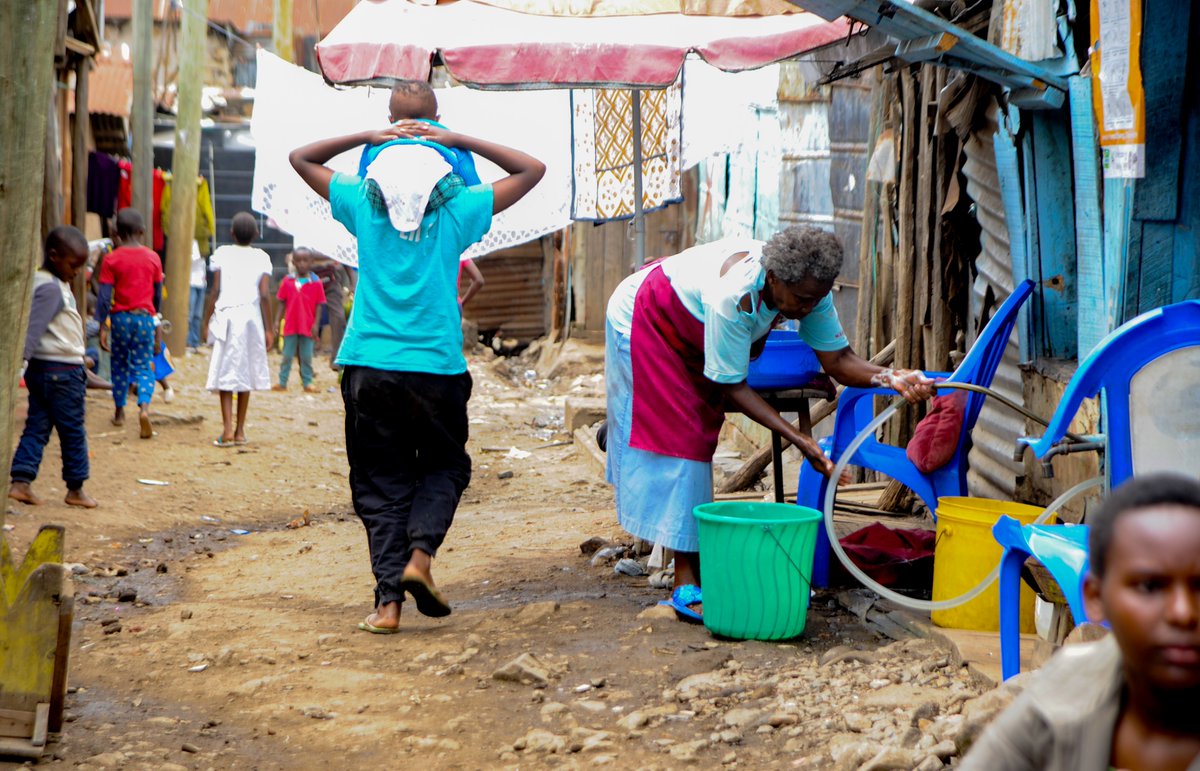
point(186, 170)
point(52, 202)
point(142, 118)
point(26, 71)
point(79, 165)
point(281, 37)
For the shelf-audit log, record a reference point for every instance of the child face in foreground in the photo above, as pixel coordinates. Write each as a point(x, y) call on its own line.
point(302, 262)
point(66, 264)
point(1150, 595)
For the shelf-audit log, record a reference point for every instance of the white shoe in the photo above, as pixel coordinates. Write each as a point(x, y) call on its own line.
point(168, 395)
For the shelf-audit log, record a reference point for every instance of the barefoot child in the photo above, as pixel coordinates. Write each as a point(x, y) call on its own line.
point(404, 380)
point(54, 373)
point(300, 299)
point(131, 285)
point(240, 326)
point(1129, 700)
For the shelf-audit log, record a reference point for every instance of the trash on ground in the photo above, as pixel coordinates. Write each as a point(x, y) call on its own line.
point(301, 521)
point(153, 482)
point(629, 567)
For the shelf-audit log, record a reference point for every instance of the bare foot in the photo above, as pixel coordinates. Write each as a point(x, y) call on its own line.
point(23, 492)
point(385, 618)
point(81, 499)
point(311, 389)
point(118, 416)
point(147, 429)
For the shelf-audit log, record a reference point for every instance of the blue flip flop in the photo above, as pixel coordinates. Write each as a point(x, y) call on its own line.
point(681, 598)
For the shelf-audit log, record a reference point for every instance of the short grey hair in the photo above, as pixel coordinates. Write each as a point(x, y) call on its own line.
point(799, 252)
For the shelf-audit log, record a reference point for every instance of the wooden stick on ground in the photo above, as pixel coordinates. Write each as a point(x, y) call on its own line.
point(754, 465)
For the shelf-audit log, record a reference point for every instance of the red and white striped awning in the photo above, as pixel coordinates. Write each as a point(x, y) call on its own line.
point(489, 47)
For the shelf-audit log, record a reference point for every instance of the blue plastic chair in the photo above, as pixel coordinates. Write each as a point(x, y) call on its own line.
point(1132, 370)
point(856, 408)
point(1062, 549)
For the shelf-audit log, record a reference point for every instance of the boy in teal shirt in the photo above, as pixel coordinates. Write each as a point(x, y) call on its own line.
point(405, 381)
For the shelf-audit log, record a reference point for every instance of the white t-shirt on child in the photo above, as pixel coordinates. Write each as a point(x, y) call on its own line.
point(240, 268)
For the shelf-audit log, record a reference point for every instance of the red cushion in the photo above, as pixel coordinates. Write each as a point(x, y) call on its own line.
point(936, 437)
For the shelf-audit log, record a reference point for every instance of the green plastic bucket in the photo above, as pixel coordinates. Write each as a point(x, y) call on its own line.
point(756, 567)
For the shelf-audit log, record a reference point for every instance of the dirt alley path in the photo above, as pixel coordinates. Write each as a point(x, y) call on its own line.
point(241, 650)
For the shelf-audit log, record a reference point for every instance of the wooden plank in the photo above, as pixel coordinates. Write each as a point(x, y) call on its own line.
point(1009, 172)
point(40, 724)
point(17, 723)
point(1158, 265)
point(906, 252)
point(1163, 76)
point(62, 654)
point(1056, 234)
point(1089, 270)
point(20, 748)
point(1117, 249)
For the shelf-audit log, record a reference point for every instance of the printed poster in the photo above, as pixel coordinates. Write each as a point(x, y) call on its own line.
point(1117, 93)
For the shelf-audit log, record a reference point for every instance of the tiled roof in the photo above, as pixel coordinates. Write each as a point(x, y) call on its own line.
point(110, 87)
point(309, 17)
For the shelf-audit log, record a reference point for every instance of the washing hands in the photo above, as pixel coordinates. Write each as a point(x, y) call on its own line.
point(912, 384)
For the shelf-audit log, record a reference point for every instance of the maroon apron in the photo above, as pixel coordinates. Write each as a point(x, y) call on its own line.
point(677, 411)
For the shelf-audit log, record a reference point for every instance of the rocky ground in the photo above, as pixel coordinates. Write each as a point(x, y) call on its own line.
point(209, 634)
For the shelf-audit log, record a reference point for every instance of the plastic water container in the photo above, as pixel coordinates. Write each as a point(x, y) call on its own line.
point(756, 567)
point(786, 362)
point(965, 552)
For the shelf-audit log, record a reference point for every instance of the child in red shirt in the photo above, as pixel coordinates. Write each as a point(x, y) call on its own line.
point(131, 279)
point(300, 297)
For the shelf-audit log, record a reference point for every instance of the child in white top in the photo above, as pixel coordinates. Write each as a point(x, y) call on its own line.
point(239, 326)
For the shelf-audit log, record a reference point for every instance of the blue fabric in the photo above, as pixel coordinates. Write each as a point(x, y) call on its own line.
point(406, 316)
point(655, 494)
point(132, 351)
point(56, 401)
point(461, 162)
point(293, 345)
point(195, 315)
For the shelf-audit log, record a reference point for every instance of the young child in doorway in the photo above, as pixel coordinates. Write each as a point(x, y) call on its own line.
point(239, 326)
point(131, 287)
point(1129, 700)
point(300, 299)
point(54, 373)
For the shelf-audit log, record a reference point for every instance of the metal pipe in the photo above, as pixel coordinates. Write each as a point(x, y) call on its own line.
point(639, 217)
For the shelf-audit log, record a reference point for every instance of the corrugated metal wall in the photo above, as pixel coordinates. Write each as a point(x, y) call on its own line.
point(849, 137)
point(993, 473)
point(804, 195)
point(513, 300)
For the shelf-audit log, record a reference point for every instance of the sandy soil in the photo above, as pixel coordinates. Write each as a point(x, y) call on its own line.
point(241, 650)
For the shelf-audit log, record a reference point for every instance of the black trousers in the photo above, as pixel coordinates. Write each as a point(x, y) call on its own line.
point(406, 436)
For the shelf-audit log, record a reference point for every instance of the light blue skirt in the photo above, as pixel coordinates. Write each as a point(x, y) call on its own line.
point(655, 493)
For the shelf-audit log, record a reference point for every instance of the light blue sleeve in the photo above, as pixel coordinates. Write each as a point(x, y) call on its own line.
point(472, 211)
point(726, 342)
point(822, 329)
point(346, 197)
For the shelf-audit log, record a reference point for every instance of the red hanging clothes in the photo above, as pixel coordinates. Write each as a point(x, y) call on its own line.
point(125, 190)
point(156, 192)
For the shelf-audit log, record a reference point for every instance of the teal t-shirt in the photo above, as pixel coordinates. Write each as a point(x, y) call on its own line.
point(406, 316)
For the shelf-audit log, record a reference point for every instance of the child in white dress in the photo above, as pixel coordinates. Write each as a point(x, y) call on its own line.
point(239, 327)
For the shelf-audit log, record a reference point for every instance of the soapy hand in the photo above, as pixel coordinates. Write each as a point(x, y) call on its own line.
point(912, 384)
